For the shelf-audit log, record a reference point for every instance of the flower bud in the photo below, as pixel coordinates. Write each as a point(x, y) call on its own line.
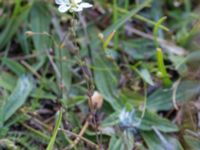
point(101, 37)
point(29, 33)
point(96, 100)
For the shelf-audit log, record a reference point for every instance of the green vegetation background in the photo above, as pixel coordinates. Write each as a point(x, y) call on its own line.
point(142, 56)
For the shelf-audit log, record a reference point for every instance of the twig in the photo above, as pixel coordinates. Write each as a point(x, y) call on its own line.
point(44, 136)
point(81, 138)
point(197, 135)
point(31, 69)
point(34, 117)
point(28, 56)
point(75, 142)
point(84, 25)
point(175, 87)
point(63, 37)
point(58, 74)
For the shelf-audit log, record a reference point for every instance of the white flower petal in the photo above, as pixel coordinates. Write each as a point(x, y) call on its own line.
point(77, 1)
point(85, 5)
point(62, 2)
point(77, 9)
point(63, 8)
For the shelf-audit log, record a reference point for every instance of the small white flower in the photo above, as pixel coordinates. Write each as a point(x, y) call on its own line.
point(72, 5)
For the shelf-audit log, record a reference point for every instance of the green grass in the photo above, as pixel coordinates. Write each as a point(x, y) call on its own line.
point(145, 64)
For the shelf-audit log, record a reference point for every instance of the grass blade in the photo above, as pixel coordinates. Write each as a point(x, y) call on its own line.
point(17, 98)
point(55, 131)
point(162, 68)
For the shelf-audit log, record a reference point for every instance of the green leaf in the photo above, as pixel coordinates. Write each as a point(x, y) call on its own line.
point(151, 120)
point(139, 48)
point(111, 120)
point(192, 58)
point(39, 93)
point(17, 98)
point(75, 100)
point(40, 20)
point(145, 75)
point(7, 81)
point(13, 25)
point(163, 142)
point(14, 66)
point(55, 131)
point(66, 67)
point(156, 29)
point(106, 81)
point(152, 140)
point(161, 99)
point(124, 142)
point(107, 40)
point(120, 22)
point(133, 98)
point(162, 68)
point(115, 143)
